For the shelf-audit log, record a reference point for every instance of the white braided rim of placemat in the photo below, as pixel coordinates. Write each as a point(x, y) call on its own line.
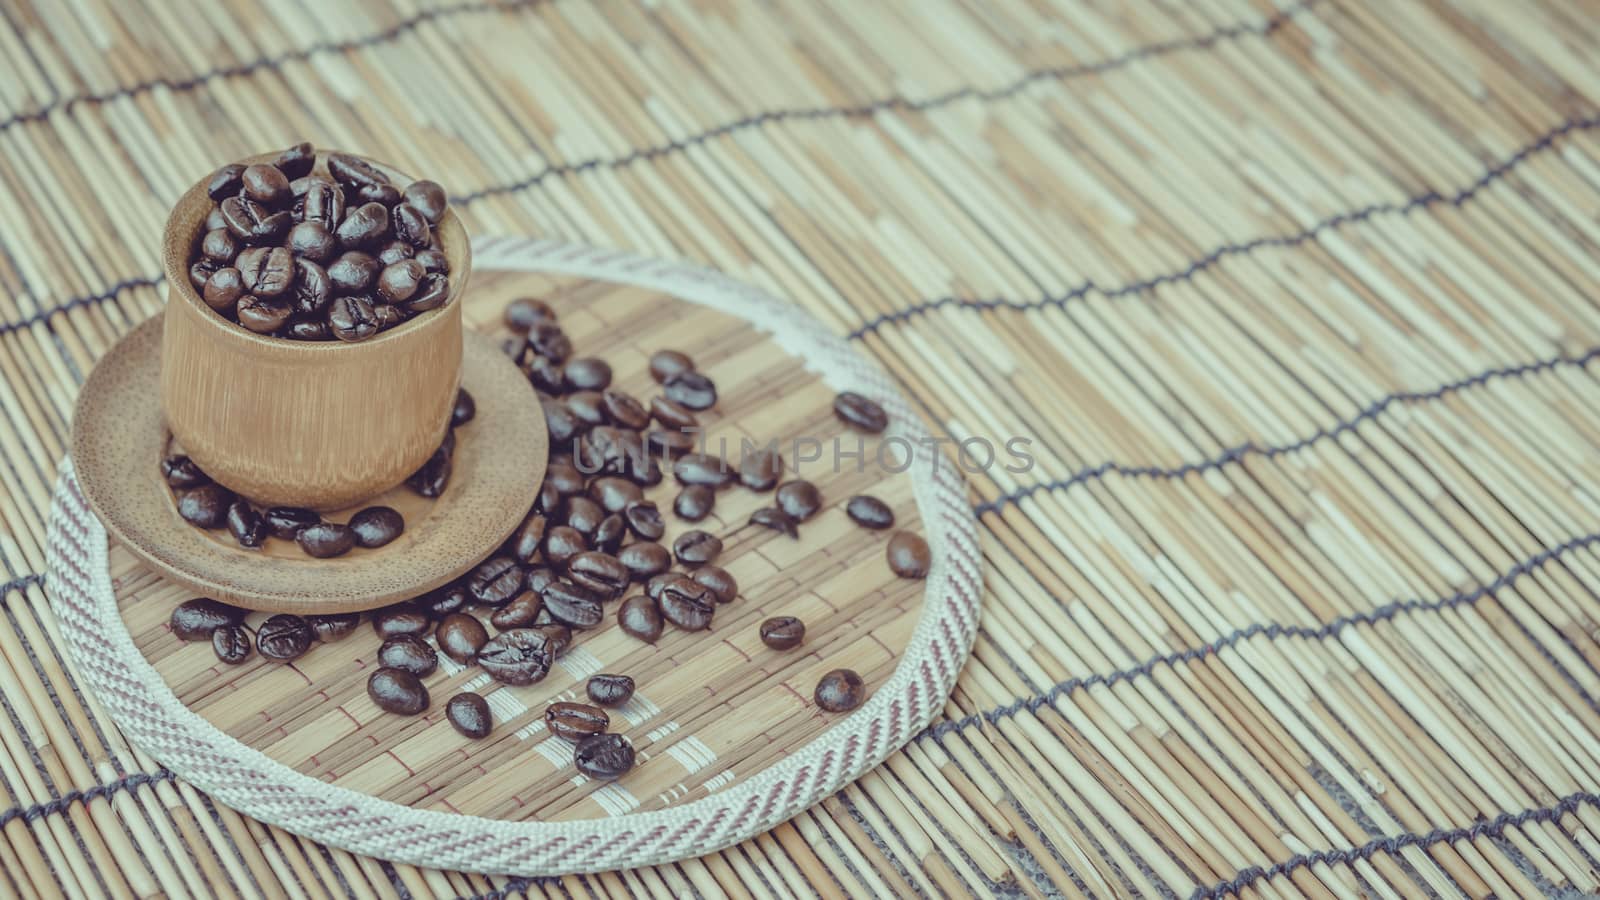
point(245, 779)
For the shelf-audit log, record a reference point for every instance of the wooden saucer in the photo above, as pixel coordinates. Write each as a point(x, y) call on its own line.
point(118, 440)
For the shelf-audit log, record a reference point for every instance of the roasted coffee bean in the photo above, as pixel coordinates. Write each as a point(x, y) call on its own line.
point(325, 540)
point(869, 512)
point(545, 375)
point(231, 644)
point(691, 389)
point(668, 445)
point(573, 605)
point(783, 632)
point(194, 620)
point(386, 195)
point(284, 637)
point(565, 478)
point(524, 313)
point(644, 559)
point(365, 226)
point(583, 515)
point(702, 468)
point(434, 476)
point(409, 225)
point(397, 691)
point(496, 580)
point(540, 577)
point(654, 585)
point(840, 691)
point(409, 653)
point(600, 572)
point(639, 617)
point(312, 240)
point(377, 525)
point(323, 203)
point(588, 406)
point(434, 262)
point(609, 690)
point(286, 521)
point(353, 272)
point(214, 220)
point(722, 585)
point(548, 340)
point(313, 289)
point(559, 635)
point(603, 756)
point(265, 185)
point(687, 605)
point(615, 494)
point(521, 612)
point(643, 469)
point(775, 519)
point(610, 451)
point(353, 171)
point(564, 427)
point(334, 626)
point(182, 472)
point(575, 721)
point(428, 198)
point(800, 499)
point(908, 555)
point(760, 470)
point(464, 409)
point(396, 251)
point(308, 330)
point(673, 416)
point(517, 657)
point(562, 543)
point(219, 246)
point(859, 412)
point(400, 619)
point(252, 223)
point(205, 506)
point(263, 315)
point(469, 714)
point(529, 539)
point(625, 411)
point(441, 602)
point(694, 502)
point(223, 290)
point(200, 271)
point(246, 525)
point(588, 374)
point(351, 319)
point(399, 282)
point(296, 162)
point(644, 520)
point(608, 537)
point(226, 182)
point(666, 363)
point(694, 548)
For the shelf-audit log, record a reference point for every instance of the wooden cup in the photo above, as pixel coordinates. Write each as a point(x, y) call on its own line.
point(319, 424)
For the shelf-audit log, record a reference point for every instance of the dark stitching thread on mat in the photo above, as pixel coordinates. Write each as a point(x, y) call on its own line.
point(1251, 448)
point(885, 104)
point(237, 70)
point(17, 584)
point(1270, 630)
point(1392, 845)
point(51, 807)
point(1420, 201)
point(516, 885)
point(109, 293)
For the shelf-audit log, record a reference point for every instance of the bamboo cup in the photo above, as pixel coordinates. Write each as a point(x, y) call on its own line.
point(324, 425)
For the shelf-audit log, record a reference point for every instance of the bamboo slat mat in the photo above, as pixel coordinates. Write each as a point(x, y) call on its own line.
point(1297, 304)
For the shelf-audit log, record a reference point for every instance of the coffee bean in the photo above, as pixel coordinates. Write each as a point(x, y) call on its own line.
point(246, 525)
point(428, 198)
point(639, 617)
point(353, 272)
point(609, 536)
point(600, 572)
point(396, 251)
point(517, 657)
point(441, 602)
point(563, 425)
point(702, 468)
point(583, 515)
point(775, 519)
point(693, 548)
point(231, 644)
point(182, 472)
point(604, 756)
point(559, 636)
point(644, 520)
point(528, 539)
point(284, 637)
point(548, 340)
point(496, 580)
point(644, 559)
point(575, 721)
point(312, 240)
point(194, 620)
point(219, 246)
point(614, 494)
point(308, 330)
point(205, 506)
point(469, 714)
point(332, 627)
point(408, 653)
point(215, 221)
point(573, 604)
point(869, 512)
point(908, 555)
point(253, 223)
point(397, 691)
point(351, 319)
point(562, 543)
point(223, 290)
point(673, 416)
point(296, 161)
point(623, 410)
point(841, 690)
point(432, 292)
point(399, 282)
point(325, 540)
point(434, 476)
point(609, 690)
point(263, 315)
point(859, 412)
point(694, 502)
point(545, 375)
point(376, 526)
point(588, 406)
point(410, 225)
point(265, 185)
point(226, 182)
point(366, 226)
point(800, 499)
point(655, 584)
point(760, 470)
point(524, 313)
point(521, 612)
point(783, 632)
point(666, 363)
point(400, 619)
point(691, 389)
point(200, 271)
point(286, 521)
point(461, 636)
point(353, 171)
point(687, 605)
point(463, 411)
point(322, 203)
point(722, 585)
point(611, 451)
point(313, 290)
point(588, 374)
point(540, 577)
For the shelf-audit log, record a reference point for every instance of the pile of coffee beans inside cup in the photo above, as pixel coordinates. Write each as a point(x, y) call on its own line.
point(318, 248)
point(592, 538)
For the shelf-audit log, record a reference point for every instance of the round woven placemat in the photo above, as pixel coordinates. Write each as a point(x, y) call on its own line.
point(124, 659)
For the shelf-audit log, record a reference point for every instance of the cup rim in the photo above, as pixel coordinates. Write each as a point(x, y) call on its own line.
point(176, 250)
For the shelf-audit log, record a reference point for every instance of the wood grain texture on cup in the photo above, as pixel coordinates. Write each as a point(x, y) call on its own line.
point(305, 423)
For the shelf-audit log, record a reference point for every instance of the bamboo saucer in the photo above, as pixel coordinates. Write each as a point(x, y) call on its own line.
point(119, 438)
